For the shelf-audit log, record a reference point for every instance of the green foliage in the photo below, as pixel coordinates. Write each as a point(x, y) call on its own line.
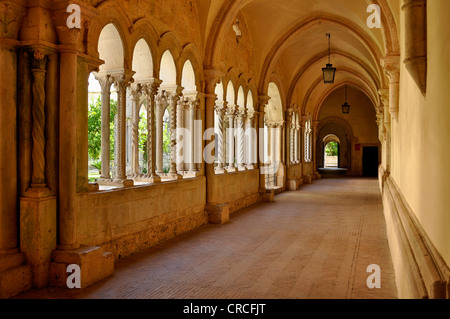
point(332, 149)
point(143, 135)
point(95, 128)
point(97, 165)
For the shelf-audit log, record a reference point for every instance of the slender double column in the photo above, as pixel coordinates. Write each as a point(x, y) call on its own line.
point(136, 95)
point(251, 140)
point(150, 90)
point(231, 114)
point(173, 96)
point(192, 104)
point(219, 108)
point(105, 81)
point(240, 133)
point(121, 83)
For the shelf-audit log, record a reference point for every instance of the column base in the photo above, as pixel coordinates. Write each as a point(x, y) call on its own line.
point(38, 235)
point(95, 265)
point(174, 176)
point(115, 182)
point(219, 171)
point(155, 179)
point(250, 167)
point(218, 214)
point(269, 196)
point(15, 275)
point(93, 187)
point(231, 169)
point(307, 179)
point(242, 168)
point(291, 185)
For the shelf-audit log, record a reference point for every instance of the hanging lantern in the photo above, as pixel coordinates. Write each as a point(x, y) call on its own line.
point(329, 72)
point(346, 106)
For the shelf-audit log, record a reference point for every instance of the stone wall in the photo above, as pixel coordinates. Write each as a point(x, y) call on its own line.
point(126, 221)
point(223, 190)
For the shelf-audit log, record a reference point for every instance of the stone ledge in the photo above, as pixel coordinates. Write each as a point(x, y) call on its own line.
point(420, 270)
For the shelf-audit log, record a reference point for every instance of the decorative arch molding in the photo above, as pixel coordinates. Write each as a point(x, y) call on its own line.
point(379, 80)
point(144, 30)
point(169, 42)
point(318, 18)
point(338, 121)
point(338, 86)
point(371, 92)
point(190, 53)
point(110, 13)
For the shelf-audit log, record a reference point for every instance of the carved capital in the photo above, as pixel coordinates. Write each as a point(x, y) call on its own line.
point(151, 87)
point(391, 66)
point(11, 14)
point(212, 78)
point(122, 79)
point(263, 100)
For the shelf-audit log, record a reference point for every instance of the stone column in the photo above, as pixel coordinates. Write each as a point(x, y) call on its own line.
point(180, 139)
point(315, 125)
point(161, 102)
point(121, 81)
point(150, 90)
point(391, 65)
point(262, 102)
point(192, 104)
point(231, 113)
point(220, 111)
point(173, 95)
point(136, 93)
point(250, 136)
point(290, 137)
point(105, 83)
point(240, 115)
point(95, 265)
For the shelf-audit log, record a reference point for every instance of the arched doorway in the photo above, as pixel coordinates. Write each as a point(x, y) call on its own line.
point(331, 144)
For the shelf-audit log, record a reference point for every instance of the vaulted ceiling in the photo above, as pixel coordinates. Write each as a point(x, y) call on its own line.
point(290, 36)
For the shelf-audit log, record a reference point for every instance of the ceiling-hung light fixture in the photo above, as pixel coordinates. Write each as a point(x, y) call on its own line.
point(329, 72)
point(346, 106)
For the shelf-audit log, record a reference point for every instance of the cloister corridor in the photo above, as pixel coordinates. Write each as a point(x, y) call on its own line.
point(312, 243)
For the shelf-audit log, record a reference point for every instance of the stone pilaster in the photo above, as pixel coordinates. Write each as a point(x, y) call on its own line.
point(391, 65)
point(94, 263)
point(15, 276)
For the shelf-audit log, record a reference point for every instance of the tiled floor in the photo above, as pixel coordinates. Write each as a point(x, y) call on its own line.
point(313, 243)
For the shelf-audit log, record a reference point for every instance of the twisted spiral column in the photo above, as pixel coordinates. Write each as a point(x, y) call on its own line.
point(38, 131)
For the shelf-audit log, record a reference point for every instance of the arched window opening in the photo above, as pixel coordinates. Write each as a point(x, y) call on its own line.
point(189, 135)
point(274, 121)
point(107, 114)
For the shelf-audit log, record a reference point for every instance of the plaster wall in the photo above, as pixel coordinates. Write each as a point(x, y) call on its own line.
point(420, 138)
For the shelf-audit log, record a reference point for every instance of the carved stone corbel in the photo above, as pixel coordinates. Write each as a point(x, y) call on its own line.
point(416, 41)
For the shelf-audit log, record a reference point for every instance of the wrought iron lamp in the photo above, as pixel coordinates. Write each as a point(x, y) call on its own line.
point(346, 106)
point(329, 72)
